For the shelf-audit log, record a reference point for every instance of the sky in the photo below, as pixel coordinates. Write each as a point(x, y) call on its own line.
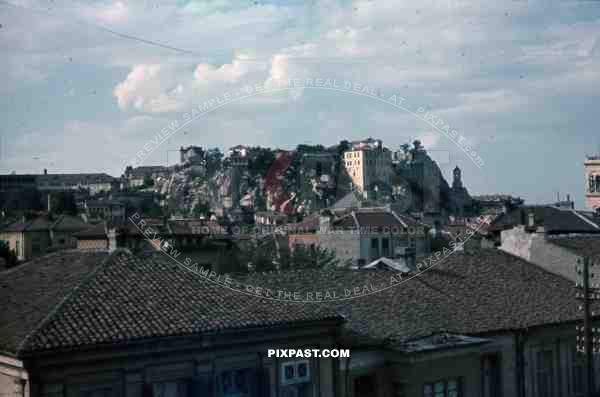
point(86, 84)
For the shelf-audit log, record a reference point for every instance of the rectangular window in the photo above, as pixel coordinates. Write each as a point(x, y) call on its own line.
point(544, 373)
point(238, 383)
point(365, 386)
point(443, 388)
point(53, 390)
point(578, 376)
point(490, 372)
point(104, 392)
point(385, 247)
point(399, 389)
point(170, 389)
point(374, 248)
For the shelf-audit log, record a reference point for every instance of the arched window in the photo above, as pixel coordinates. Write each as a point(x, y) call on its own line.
point(597, 190)
point(591, 184)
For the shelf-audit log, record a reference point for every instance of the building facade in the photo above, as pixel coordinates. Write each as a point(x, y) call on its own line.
point(592, 174)
point(368, 164)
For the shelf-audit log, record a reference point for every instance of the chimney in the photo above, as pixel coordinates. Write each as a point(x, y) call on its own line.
point(571, 203)
point(324, 221)
point(112, 239)
point(531, 219)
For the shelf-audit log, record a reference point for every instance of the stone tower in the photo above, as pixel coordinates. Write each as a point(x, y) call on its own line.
point(457, 178)
point(592, 182)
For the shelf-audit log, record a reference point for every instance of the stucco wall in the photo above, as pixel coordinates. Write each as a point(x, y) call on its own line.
point(535, 248)
point(346, 244)
point(130, 368)
point(13, 378)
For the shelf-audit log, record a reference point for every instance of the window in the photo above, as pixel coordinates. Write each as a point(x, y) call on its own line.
point(365, 386)
point(238, 383)
point(97, 393)
point(578, 376)
point(53, 390)
point(169, 389)
point(295, 379)
point(399, 389)
point(490, 373)
point(374, 248)
point(544, 373)
point(443, 388)
point(385, 247)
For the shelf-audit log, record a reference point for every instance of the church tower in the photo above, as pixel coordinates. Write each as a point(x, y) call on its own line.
point(592, 182)
point(457, 178)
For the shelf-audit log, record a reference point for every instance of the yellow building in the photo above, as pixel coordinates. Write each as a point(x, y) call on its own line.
point(368, 164)
point(28, 238)
point(31, 238)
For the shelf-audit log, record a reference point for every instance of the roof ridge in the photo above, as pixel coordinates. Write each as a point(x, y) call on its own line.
point(356, 222)
point(59, 219)
point(63, 301)
point(583, 218)
point(404, 224)
point(541, 268)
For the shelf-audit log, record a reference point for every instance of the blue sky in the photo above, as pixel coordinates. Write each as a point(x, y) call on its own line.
point(519, 80)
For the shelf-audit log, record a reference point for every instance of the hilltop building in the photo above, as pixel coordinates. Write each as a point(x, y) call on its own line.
point(46, 182)
point(460, 200)
point(192, 154)
point(368, 164)
point(592, 173)
point(136, 177)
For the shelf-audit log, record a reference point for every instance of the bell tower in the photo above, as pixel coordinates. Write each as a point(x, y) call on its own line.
point(592, 182)
point(457, 178)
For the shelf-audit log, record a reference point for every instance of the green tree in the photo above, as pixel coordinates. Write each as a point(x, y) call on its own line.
point(63, 203)
point(214, 159)
point(148, 181)
point(201, 209)
point(303, 257)
point(9, 256)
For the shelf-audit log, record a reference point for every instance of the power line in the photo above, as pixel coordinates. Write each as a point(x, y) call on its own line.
point(305, 59)
point(105, 29)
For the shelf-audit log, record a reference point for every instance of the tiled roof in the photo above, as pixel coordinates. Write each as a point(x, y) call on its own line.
point(62, 223)
point(497, 198)
point(97, 230)
point(467, 293)
point(40, 223)
point(147, 170)
point(374, 218)
point(74, 179)
point(31, 291)
point(308, 224)
point(193, 227)
point(554, 220)
point(68, 223)
point(127, 298)
point(585, 246)
point(350, 200)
